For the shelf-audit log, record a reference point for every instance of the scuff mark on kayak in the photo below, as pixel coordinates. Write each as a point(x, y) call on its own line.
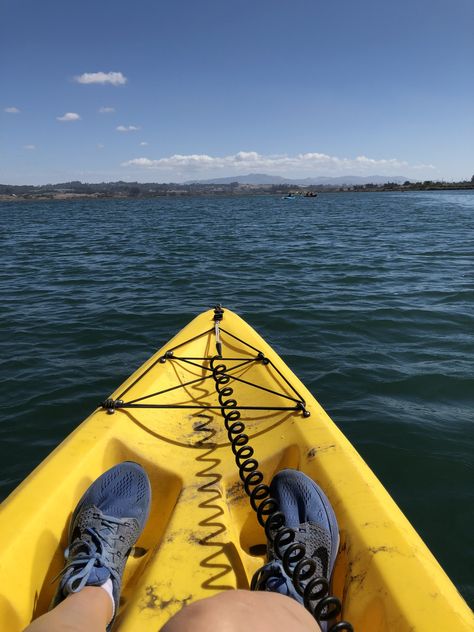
point(377, 525)
point(151, 600)
point(235, 492)
point(354, 575)
point(325, 448)
point(313, 452)
point(194, 539)
point(383, 549)
point(358, 579)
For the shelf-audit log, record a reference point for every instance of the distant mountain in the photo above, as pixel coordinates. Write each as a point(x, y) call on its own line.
point(251, 178)
point(263, 178)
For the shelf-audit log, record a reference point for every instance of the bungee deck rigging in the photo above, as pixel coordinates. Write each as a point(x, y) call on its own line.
point(205, 364)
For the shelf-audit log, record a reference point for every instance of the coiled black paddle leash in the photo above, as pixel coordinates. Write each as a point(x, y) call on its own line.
point(298, 567)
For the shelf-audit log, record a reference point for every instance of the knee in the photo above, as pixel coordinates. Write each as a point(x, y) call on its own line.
point(240, 610)
point(213, 613)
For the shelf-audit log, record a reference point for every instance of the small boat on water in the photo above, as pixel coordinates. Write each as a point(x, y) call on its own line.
point(293, 196)
point(212, 416)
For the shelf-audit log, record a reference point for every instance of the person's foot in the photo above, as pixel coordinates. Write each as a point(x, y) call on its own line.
point(104, 527)
point(308, 511)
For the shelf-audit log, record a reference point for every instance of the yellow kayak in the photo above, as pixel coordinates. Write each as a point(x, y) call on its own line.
point(203, 535)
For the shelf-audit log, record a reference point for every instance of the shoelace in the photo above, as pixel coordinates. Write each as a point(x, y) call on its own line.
point(83, 555)
point(273, 575)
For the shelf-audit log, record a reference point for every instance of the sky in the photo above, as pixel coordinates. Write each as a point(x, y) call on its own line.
point(174, 90)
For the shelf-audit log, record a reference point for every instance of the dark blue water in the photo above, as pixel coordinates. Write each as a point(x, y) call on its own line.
point(368, 297)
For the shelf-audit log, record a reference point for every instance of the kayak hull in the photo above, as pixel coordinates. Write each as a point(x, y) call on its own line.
point(202, 536)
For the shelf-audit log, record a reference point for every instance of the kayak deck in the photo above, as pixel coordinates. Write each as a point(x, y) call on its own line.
point(203, 536)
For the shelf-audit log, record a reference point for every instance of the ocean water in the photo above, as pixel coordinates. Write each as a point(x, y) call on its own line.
point(368, 297)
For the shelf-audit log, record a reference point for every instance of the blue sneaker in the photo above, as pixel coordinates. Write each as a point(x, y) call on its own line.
point(308, 511)
point(104, 527)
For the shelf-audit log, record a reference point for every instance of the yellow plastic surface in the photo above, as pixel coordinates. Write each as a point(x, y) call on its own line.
point(202, 536)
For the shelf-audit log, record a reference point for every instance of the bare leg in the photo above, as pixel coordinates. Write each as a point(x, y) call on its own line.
point(242, 610)
point(89, 610)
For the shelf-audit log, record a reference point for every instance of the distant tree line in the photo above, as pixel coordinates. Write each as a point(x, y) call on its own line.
point(154, 189)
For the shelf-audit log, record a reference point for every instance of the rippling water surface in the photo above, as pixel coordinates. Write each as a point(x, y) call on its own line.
point(368, 297)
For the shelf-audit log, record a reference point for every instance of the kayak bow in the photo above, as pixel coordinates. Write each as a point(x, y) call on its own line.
point(173, 416)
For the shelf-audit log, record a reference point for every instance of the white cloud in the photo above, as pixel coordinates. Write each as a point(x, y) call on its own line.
point(114, 78)
point(69, 116)
point(100, 146)
point(143, 143)
point(421, 166)
point(11, 110)
point(140, 162)
point(127, 128)
point(300, 165)
point(30, 147)
point(106, 110)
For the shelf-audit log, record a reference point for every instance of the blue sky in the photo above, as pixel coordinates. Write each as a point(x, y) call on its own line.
point(217, 88)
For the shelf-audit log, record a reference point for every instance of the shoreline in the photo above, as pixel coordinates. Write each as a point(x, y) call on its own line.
point(247, 192)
